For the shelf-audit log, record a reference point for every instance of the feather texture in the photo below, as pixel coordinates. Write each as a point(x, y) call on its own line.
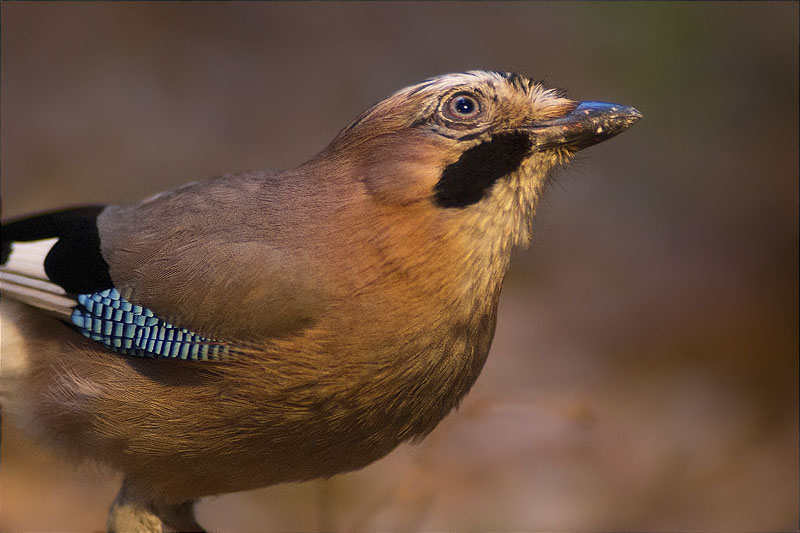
point(352, 299)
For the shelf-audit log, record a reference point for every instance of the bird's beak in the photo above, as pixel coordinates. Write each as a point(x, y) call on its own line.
point(589, 123)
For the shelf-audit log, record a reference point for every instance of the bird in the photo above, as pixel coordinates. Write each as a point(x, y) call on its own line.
point(268, 327)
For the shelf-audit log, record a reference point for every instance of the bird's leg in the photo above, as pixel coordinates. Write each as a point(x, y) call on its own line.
point(130, 514)
point(179, 517)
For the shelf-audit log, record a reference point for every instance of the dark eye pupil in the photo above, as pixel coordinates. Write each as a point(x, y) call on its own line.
point(465, 106)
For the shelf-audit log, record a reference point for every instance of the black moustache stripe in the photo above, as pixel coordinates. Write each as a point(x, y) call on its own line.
point(469, 179)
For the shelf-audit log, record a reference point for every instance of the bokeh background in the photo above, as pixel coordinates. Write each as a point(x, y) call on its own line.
point(645, 370)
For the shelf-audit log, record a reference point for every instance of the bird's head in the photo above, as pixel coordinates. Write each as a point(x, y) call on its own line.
point(475, 146)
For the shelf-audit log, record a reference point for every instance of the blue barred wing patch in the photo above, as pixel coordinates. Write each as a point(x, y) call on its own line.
point(131, 329)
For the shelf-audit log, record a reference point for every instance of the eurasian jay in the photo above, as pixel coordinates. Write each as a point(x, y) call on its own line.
point(262, 327)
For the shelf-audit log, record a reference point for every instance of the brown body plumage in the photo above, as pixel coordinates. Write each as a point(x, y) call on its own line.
point(357, 294)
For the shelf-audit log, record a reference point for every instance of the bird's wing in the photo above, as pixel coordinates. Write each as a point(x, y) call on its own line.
point(187, 274)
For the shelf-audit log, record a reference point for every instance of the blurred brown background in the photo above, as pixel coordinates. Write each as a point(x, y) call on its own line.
point(645, 369)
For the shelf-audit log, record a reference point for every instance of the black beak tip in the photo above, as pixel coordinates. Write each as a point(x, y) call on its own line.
point(633, 115)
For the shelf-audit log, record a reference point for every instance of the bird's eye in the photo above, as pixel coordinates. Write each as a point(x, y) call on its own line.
point(462, 107)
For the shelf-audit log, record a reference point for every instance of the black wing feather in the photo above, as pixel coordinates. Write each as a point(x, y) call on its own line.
point(75, 261)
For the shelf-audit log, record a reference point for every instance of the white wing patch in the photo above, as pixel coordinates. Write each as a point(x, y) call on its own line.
point(23, 278)
point(27, 258)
